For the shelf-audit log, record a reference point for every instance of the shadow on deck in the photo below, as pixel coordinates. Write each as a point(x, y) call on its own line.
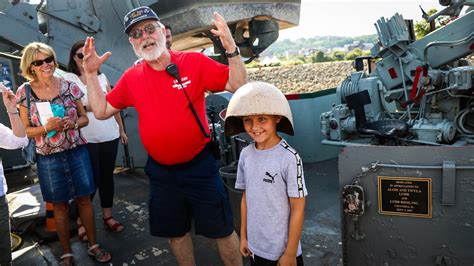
point(134, 246)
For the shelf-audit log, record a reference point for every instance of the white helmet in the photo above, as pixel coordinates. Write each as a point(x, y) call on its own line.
point(257, 98)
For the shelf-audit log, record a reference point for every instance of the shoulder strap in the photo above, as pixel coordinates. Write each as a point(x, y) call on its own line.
point(28, 104)
point(190, 104)
point(193, 110)
point(32, 92)
point(68, 85)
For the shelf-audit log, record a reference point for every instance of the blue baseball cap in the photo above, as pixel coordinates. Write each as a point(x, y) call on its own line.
point(138, 14)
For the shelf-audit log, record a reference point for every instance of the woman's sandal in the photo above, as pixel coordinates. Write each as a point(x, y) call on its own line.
point(81, 232)
point(67, 259)
point(100, 255)
point(115, 227)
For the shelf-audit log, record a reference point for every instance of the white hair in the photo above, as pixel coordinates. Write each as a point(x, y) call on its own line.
point(156, 52)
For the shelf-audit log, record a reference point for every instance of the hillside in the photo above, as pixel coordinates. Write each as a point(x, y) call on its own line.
point(303, 78)
point(322, 43)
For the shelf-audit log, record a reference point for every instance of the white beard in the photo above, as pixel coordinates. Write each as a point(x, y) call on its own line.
point(154, 54)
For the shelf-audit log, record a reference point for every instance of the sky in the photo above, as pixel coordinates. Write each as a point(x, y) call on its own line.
point(351, 17)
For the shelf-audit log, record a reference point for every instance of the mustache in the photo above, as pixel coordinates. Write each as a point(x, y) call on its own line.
point(153, 54)
point(146, 43)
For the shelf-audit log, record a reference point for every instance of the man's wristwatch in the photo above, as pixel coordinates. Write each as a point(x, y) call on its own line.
point(234, 54)
point(76, 125)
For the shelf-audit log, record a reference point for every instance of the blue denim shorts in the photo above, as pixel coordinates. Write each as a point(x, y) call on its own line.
point(65, 175)
point(185, 192)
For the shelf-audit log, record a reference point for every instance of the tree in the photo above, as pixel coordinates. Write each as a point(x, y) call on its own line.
point(353, 54)
point(302, 59)
point(338, 55)
point(318, 57)
point(422, 27)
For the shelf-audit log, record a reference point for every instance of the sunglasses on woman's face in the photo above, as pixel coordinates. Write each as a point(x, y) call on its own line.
point(138, 33)
point(80, 56)
point(47, 60)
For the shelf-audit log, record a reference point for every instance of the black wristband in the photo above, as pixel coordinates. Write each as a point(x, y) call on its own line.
point(234, 54)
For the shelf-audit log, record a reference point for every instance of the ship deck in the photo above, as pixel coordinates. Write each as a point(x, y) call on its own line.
point(134, 246)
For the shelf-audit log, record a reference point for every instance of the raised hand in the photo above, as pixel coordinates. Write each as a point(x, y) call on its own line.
point(9, 99)
point(92, 61)
point(223, 32)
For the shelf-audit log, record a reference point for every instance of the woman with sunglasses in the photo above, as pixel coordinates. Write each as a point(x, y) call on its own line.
point(64, 169)
point(102, 137)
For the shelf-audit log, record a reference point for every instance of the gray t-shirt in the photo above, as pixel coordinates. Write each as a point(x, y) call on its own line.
point(269, 178)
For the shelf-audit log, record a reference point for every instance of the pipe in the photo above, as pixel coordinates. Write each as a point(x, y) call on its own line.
point(438, 43)
point(434, 167)
point(405, 89)
point(342, 143)
point(382, 100)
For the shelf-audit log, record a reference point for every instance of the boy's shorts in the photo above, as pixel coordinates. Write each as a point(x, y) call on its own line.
point(259, 261)
point(185, 192)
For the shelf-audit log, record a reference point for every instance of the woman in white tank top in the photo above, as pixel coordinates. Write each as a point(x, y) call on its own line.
point(102, 137)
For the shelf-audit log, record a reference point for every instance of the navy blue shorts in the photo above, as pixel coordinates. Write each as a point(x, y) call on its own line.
point(259, 261)
point(65, 175)
point(185, 192)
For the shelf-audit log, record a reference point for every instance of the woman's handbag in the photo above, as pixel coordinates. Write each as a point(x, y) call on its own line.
point(29, 152)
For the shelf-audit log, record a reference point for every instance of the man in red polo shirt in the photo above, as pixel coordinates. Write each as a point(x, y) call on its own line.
point(184, 180)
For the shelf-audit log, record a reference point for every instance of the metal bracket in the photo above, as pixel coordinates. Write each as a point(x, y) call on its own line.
point(449, 183)
point(353, 200)
point(89, 23)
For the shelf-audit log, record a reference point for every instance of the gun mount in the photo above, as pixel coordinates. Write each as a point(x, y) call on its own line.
point(420, 92)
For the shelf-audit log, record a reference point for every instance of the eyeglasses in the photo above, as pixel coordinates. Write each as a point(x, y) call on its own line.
point(80, 55)
point(47, 60)
point(138, 33)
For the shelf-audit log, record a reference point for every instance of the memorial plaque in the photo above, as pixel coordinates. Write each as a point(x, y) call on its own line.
point(405, 196)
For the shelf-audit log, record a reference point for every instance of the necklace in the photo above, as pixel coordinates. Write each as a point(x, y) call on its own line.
point(46, 87)
point(46, 90)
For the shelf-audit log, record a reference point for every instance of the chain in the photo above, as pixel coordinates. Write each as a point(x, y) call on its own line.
point(371, 168)
point(344, 242)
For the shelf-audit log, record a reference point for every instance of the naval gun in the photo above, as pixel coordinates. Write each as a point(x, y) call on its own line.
point(419, 93)
point(407, 124)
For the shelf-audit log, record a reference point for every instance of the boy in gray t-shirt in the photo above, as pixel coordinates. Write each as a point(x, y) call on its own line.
point(271, 174)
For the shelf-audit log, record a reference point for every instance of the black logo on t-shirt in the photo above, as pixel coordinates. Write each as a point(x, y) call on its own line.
point(268, 180)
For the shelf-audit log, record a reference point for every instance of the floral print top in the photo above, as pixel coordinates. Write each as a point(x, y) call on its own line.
point(69, 93)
